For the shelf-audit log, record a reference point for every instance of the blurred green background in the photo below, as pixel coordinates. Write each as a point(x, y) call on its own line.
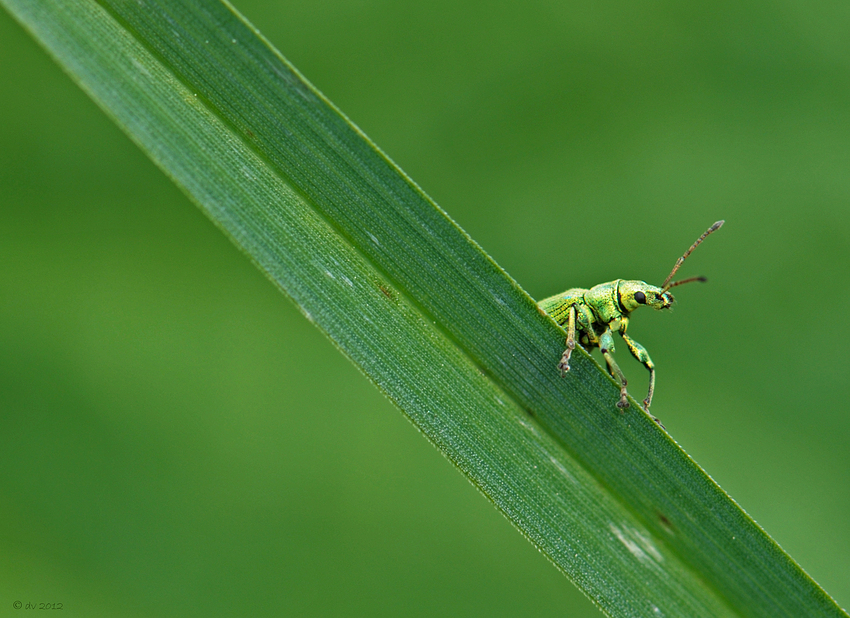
point(177, 440)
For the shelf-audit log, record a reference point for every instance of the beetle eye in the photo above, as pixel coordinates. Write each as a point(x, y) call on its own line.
point(640, 298)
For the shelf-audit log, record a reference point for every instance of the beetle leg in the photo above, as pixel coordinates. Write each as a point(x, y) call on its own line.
point(564, 365)
point(584, 325)
point(606, 344)
point(640, 353)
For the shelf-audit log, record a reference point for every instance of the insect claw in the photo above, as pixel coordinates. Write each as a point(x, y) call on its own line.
point(564, 365)
point(646, 409)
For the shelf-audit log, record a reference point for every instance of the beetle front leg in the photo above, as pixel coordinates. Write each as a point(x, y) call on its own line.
point(606, 345)
point(640, 353)
point(564, 365)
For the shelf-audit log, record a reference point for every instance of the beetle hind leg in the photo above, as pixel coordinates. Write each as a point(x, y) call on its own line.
point(564, 365)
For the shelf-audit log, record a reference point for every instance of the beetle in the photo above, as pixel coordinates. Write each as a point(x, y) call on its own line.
point(592, 316)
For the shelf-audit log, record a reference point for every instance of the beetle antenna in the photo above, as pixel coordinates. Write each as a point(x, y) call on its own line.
point(684, 281)
point(667, 285)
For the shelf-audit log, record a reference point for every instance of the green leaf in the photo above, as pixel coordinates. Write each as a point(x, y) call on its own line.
point(462, 350)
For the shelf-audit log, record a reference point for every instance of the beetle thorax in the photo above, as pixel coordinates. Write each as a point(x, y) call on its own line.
point(602, 299)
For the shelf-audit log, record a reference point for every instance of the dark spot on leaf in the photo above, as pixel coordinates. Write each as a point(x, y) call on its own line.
point(386, 292)
point(530, 412)
point(249, 133)
point(665, 522)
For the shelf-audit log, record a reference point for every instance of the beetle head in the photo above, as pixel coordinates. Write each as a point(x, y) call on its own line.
point(634, 294)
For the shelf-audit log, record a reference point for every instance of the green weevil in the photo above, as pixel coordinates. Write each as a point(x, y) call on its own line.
point(596, 313)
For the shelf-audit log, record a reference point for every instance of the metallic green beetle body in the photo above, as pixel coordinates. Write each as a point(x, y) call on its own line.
point(595, 314)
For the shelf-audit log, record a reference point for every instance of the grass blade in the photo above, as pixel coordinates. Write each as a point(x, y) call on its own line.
point(439, 327)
